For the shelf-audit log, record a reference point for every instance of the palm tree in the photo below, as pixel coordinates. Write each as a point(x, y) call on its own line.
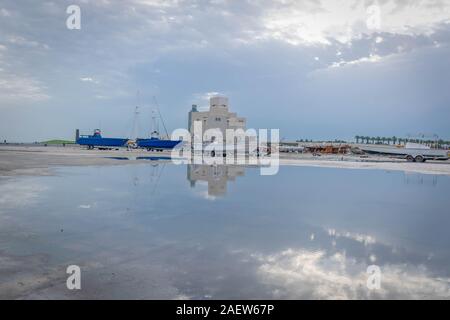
point(394, 140)
point(357, 139)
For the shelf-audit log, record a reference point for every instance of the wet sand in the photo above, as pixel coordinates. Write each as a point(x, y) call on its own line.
point(38, 160)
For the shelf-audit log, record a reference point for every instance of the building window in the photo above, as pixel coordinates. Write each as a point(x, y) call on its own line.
point(218, 119)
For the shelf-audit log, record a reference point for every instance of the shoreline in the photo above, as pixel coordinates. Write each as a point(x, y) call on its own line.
point(39, 160)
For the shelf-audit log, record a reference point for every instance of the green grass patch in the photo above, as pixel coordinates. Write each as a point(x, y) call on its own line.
point(58, 142)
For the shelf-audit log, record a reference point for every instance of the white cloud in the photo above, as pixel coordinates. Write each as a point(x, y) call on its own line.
point(22, 41)
point(297, 274)
point(159, 3)
point(5, 13)
point(208, 95)
point(370, 59)
point(16, 88)
point(89, 79)
point(17, 193)
point(202, 99)
point(299, 24)
point(359, 237)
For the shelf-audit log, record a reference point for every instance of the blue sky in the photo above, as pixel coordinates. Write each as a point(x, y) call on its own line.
point(313, 69)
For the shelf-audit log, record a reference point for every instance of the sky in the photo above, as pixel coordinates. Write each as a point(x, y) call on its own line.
point(329, 69)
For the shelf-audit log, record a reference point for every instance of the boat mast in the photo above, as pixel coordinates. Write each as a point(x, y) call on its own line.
point(135, 131)
point(154, 133)
point(160, 116)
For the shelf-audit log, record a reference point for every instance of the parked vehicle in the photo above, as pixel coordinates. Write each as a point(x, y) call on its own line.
point(412, 152)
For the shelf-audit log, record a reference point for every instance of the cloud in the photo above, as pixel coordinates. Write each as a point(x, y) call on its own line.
point(208, 95)
point(89, 79)
point(15, 89)
point(202, 99)
point(23, 42)
point(4, 13)
point(370, 59)
point(16, 194)
point(304, 274)
point(359, 237)
point(314, 23)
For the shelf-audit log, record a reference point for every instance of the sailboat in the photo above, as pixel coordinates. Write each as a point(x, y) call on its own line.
point(155, 142)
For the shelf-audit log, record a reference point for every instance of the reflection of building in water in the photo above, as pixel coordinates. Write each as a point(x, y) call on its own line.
point(216, 176)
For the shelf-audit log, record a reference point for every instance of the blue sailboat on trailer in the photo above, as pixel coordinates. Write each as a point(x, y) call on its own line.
point(155, 142)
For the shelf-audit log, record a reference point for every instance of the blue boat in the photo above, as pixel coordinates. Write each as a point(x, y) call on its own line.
point(154, 143)
point(96, 140)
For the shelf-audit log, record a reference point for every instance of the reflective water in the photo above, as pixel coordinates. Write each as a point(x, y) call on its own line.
point(158, 230)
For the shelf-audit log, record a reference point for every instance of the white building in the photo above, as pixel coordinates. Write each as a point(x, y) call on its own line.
point(218, 117)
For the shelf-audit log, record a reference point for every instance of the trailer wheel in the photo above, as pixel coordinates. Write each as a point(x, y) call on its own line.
point(420, 159)
point(410, 158)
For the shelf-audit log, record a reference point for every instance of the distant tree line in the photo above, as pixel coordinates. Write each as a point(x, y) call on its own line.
point(436, 143)
point(329, 141)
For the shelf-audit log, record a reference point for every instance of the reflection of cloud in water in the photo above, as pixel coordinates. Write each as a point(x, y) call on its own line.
point(205, 195)
point(17, 193)
point(317, 275)
point(359, 237)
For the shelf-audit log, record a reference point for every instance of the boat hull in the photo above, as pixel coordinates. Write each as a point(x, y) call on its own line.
point(102, 142)
point(157, 143)
point(404, 152)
